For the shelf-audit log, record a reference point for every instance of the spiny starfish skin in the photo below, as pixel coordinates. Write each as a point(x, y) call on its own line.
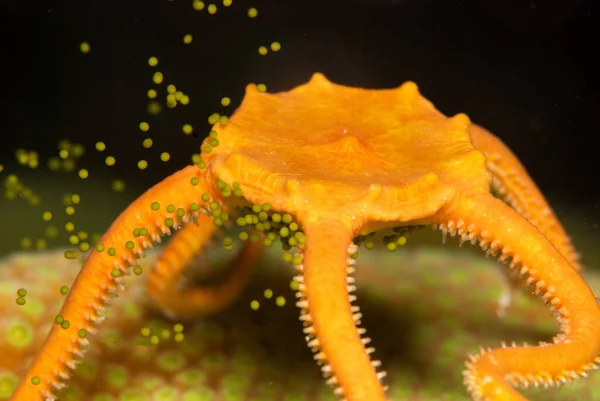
point(346, 162)
point(513, 184)
point(165, 280)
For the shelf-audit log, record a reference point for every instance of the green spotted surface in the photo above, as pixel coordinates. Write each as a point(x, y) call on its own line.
point(426, 309)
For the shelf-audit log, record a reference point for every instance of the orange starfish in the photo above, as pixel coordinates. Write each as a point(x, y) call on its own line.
point(344, 162)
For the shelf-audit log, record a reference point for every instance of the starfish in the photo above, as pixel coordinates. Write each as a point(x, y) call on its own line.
point(320, 168)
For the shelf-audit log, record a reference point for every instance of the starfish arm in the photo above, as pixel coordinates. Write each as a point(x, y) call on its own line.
point(144, 221)
point(329, 318)
point(164, 283)
point(512, 182)
point(532, 257)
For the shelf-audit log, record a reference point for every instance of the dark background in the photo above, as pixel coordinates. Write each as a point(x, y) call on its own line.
point(526, 70)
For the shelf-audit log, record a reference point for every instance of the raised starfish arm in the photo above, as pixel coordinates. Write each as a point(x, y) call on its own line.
point(329, 318)
point(512, 182)
point(167, 205)
point(164, 283)
point(532, 257)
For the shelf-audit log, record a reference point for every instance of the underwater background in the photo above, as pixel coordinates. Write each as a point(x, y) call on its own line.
point(527, 71)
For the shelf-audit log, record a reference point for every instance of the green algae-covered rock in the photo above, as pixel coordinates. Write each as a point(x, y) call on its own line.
point(425, 308)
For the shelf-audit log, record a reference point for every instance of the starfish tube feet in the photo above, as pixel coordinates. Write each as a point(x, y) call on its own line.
point(178, 199)
point(532, 258)
point(165, 281)
point(330, 320)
